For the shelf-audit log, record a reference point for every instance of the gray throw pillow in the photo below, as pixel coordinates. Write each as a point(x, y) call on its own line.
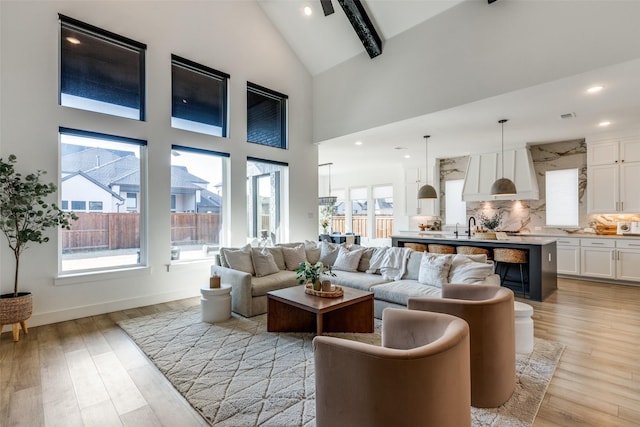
point(263, 262)
point(278, 257)
point(294, 256)
point(328, 252)
point(434, 269)
point(239, 259)
point(312, 250)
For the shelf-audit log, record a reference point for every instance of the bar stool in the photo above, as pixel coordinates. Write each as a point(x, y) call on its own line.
point(472, 250)
point(505, 258)
point(441, 249)
point(418, 247)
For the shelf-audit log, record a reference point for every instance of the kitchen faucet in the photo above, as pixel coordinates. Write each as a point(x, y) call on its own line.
point(456, 232)
point(474, 224)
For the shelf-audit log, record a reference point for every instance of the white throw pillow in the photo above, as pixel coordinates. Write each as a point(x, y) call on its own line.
point(263, 262)
point(347, 260)
point(239, 259)
point(434, 269)
point(328, 252)
point(294, 256)
point(469, 272)
point(313, 251)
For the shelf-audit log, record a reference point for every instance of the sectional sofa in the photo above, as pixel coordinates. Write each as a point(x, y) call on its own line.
point(392, 274)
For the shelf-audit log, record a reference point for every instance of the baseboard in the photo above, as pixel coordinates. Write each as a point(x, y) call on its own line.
point(72, 313)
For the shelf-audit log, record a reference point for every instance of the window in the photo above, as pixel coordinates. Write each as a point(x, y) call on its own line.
point(108, 169)
point(78, 205)
point(338, 222)
point(267, 199)
point(455, 208)
point(266, 116)
point(198, 97)
point(197, 188)
point(100, 71)
point(64, 205)
point(359, 212)
point(561, 189)
point(383, 199)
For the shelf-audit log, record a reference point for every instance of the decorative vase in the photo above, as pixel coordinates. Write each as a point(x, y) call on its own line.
point(317, 285)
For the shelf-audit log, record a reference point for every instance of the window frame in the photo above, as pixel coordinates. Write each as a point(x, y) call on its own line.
point(109, 37)
point(575, 203)
point(209, 72)
point(284, 102)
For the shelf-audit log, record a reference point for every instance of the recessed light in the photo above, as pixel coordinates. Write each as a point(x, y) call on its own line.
point(603, 124)
point(73, 40)
point(595, 89)
point(406, 156)
point(307, 10)
point(358, 142)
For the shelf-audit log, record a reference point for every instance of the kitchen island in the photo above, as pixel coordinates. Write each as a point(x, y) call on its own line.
point(541, 255)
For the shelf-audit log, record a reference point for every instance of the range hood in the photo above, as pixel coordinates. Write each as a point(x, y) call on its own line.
point(484, 169)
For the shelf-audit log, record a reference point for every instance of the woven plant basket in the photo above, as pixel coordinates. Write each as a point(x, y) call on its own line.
point(15, 309)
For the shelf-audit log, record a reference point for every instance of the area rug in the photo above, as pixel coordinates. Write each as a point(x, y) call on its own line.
point(236, 374)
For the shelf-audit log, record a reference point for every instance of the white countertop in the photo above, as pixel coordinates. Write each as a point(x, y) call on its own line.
point(520, 239)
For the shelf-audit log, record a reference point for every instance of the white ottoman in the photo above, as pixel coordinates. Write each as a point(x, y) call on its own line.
point(215, 303)
point(524, 327)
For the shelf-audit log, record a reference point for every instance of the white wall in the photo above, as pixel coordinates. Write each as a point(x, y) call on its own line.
point(471, 52)
point(232, 36)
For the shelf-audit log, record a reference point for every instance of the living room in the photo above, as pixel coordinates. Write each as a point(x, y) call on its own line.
point(238, 38)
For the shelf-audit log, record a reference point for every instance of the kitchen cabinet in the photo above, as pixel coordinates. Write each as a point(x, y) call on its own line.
point(597, 258)
point(568, 256)
point(612, 169)
point(628, 260)
point(414, 179)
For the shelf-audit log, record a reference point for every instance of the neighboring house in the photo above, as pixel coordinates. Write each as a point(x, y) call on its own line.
point(114, 183)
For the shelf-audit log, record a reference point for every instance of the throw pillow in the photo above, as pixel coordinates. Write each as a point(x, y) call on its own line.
point(263, 262)
point(347, 260)
point(294, 256)
point(239, 259)
point(434, 269)
point(312, 250)
point(469, 272)
point(278, 257)
point(328, 252)
point(365, 259)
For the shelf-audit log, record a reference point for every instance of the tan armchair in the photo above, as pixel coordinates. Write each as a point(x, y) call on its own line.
point(489, 312)
point(420, 375)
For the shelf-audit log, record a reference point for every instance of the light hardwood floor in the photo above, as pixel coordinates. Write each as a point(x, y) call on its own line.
point(88, 372)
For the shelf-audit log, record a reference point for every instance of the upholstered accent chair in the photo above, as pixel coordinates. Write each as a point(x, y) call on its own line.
point(489, 312)
point(419, 376)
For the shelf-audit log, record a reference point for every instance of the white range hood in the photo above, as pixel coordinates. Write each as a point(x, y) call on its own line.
point(484, 169)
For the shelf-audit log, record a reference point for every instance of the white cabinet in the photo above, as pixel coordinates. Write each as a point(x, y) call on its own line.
point(597, 258)
point(414, 179)
point(628, 260)
point(568, 256)
point(613, 167)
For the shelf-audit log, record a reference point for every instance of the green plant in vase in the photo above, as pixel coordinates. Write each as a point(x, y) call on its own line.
point(310, 273)
point(490, 223)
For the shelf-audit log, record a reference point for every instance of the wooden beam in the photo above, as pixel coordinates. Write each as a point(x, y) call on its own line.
point(363, 26)
point(327, 7)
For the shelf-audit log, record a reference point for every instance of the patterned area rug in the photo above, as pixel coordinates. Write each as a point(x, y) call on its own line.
point(237, 374)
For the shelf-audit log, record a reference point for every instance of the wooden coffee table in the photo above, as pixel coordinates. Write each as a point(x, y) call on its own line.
point(292, 310)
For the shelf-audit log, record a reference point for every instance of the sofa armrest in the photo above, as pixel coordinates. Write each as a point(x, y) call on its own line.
point(240, 288)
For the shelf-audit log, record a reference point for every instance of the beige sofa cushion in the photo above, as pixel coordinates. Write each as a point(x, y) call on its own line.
point(398, 292)
point(280, 280)
point(294, 256)
point(357, 280)
point(263, 262)
point(238, 259)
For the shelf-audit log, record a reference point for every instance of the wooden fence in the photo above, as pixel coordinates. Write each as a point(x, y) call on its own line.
point(359, 225)
point(108, 231)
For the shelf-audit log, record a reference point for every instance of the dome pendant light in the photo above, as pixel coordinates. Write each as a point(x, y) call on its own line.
point(427, 191)
point(503, 186)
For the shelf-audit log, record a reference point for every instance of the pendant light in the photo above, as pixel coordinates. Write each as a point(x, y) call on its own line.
point(327, 200)
point(503, 186)
point(427, 191)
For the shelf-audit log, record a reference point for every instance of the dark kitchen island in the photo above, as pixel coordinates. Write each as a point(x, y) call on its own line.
point(542, 256)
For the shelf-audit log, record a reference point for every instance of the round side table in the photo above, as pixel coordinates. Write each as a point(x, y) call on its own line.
point(524, 327)
point(215, 303)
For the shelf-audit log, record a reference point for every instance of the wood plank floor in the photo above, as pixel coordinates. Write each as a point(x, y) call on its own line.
point(87, 372)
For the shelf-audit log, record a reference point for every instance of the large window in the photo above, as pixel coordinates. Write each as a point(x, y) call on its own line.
point(107, 172)
point(198, 97)
point(197, 189)
point(266, 200)
point(100, 71)
point(383, 199)
point(455, 208)
point(266, 116)
point(561, 192)
point(359, 211)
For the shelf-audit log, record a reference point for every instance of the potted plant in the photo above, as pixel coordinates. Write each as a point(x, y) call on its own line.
point(310, 273)
point(488, 225)
point(25, 216)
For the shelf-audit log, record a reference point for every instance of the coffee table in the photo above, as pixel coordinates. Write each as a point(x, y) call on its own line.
point(293, 310)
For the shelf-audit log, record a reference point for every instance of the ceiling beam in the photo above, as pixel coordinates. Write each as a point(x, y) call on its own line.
point(363, 26)
point(327, 7)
